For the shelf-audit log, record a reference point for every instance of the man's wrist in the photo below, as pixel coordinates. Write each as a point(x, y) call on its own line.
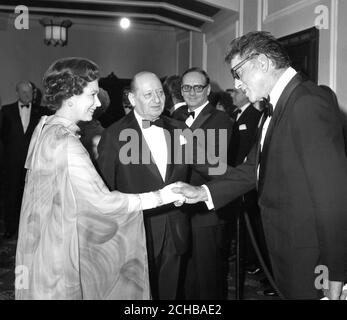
point(203, 196)
point(207, 197)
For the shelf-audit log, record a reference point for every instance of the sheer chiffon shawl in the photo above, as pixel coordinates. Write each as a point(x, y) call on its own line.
point(77, 240)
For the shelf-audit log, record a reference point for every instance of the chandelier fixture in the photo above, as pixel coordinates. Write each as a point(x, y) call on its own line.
point(55, 32)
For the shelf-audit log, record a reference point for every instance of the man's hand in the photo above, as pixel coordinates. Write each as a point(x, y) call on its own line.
point(335, 291)
point(192, 194)
point(167, 195)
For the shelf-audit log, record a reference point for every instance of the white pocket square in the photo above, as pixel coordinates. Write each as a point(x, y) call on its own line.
point(242, 127)
point(183, 140)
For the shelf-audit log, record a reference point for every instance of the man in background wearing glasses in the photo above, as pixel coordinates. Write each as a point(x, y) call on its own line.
point(207, 263)
point(299, 167)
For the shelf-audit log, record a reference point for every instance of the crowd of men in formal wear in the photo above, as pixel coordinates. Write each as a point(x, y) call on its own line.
point(287, 170)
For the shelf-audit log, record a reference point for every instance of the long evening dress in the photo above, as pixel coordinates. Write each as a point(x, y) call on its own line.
point(77, 240)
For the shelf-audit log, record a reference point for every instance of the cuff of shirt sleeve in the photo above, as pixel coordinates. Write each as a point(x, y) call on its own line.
point(149, 200)
point(209, 202)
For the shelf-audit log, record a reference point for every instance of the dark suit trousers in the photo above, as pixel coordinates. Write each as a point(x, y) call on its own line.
point(206, 268)
point(164, 268)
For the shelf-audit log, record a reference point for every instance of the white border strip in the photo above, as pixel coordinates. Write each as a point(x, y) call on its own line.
point(204, 52)
point(259, 21)
point(241, 18)
point(333, 43)
point(190, 49)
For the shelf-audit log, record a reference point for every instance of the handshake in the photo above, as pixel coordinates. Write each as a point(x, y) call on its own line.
point(180, 193)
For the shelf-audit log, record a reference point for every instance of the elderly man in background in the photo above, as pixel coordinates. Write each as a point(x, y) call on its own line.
point(19, 120)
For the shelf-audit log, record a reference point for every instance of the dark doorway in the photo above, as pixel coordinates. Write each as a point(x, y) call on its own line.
point(114, 87)
point(303, 49)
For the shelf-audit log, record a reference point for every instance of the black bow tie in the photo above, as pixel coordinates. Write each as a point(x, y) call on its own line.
point(269, 109)
point(192, 114)
point(148, 123)
point(24, 106)
point(235, 113)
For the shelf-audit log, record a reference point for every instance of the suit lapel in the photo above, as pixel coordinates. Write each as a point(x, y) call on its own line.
point(278, 113)
point(34, 117)
point(170, 144)
point(202, 117)
point(17, 117)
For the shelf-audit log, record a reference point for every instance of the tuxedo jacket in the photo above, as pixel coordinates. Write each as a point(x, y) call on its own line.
point(15, 141)
point(208, 119)
point(180, 113)
point(243, 138)
point(243, 135)
point(144, 177)
point(302, 189)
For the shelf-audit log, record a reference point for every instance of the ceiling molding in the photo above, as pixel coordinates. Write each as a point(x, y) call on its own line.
point(163, 5)
point(181, 14)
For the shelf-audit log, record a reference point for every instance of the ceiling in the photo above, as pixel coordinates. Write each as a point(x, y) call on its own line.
point(182, 14)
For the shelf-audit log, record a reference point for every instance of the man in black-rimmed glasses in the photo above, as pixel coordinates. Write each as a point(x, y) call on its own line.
point(234, 70)
point(299, 167)
point(207, 264)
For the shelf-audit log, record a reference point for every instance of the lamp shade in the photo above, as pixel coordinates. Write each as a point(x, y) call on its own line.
point(55, 32)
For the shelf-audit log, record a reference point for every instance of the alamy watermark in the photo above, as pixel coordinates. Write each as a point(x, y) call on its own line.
point(22, 277)
point(322, 280)
point(22, 20)
point(201, 147)
point(322, 19)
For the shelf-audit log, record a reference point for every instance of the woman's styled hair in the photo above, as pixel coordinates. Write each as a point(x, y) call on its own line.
point(67, 77)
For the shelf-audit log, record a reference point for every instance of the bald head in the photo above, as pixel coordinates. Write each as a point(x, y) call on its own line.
point(147, 95)
point(24, 90)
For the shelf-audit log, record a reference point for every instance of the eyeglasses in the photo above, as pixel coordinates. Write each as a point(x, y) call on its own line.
point(197, 88)
point(233, 71)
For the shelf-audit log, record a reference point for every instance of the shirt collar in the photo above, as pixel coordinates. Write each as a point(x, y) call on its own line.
point(280, 85)
point(199, 109)
point(244, 107)
point(178, 105)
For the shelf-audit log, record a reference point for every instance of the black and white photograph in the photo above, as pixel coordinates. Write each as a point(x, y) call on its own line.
point(175, 155)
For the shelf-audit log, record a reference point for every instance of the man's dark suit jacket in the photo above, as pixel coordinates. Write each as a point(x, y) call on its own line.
point(15, 148)
point(180, 113)
point(206, 266)
point(208, 119)
point(244, 135)
point(138, 178)
point(243, 138)
point(145, 177)
point(302, 189)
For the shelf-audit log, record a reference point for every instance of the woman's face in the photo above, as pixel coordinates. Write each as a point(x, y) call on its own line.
point(86, 103)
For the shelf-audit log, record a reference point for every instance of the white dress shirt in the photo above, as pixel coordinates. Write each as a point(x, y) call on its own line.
point(156, 141)
point(274, 96)
point(190, 119)
point(24, 115)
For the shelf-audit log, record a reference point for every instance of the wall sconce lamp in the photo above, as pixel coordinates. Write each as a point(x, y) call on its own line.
point(55, 32)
